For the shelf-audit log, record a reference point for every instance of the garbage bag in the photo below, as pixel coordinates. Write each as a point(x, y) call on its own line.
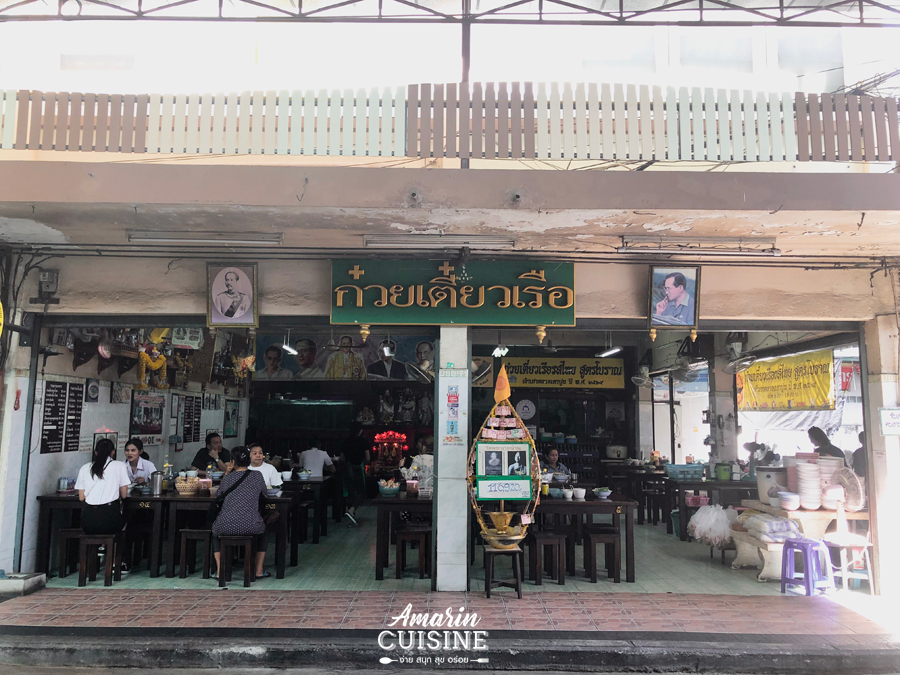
point(711, 526)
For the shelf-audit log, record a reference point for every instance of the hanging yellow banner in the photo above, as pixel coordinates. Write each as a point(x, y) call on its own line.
point(802, 382)
point(563, 372)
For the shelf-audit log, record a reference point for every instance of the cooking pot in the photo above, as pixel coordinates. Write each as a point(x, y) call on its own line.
point(616, 451)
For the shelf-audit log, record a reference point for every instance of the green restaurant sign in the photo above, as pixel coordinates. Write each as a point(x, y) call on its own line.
point(435, 292)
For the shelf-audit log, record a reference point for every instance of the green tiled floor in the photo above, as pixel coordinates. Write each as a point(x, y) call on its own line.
point(345, 560)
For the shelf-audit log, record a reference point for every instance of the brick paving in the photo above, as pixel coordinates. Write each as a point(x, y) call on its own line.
point(538, 611)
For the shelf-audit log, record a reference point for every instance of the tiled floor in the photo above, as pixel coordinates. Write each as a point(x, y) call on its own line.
point(673, 612)
point(345, 561)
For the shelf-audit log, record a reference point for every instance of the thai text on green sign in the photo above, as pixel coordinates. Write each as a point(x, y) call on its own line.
point(435, 292)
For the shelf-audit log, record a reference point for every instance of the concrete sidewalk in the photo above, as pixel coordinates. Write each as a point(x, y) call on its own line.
point(601, 633)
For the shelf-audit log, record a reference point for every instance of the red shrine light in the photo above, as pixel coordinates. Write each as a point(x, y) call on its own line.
point(390, 437)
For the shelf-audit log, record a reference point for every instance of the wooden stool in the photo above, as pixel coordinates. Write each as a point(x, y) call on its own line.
point(538, 544)
point(411, 533)
point(66, 537)
point(226, 549)
point(90, 543)
point(613, 563)
point(518, 562)
point(192, 537)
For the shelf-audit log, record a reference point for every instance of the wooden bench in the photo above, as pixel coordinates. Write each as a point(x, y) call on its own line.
point(753, 552)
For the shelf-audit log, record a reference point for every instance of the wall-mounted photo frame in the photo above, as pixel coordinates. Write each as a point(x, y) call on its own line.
point(231, 295)
point(674, 298)
point(503, 459)
point(111, 435)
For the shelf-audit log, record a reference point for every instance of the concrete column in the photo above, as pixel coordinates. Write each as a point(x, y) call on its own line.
point(883, 452)
point(451, 490)
point(721, 403)
point(10, 454)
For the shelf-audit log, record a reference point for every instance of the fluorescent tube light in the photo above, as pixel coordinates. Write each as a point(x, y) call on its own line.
point(771, 252)
point(608, 352)
point(438, 241)
point(209, 238)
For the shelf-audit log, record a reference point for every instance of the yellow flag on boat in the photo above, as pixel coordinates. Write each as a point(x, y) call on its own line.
point(501, 389)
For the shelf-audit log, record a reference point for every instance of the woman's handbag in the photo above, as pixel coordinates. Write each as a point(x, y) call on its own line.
point(216, 507)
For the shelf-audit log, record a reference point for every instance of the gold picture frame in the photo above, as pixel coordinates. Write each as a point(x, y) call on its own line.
point(232, 297)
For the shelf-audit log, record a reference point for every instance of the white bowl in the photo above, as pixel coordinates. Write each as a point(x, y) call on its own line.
point(790, 505)
point(775, 501)
point(286, 475)
point(304, 476)
point(191, 474)
point(567, 493)
point(578, 493)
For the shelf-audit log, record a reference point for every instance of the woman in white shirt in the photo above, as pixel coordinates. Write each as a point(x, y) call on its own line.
point(139, 469)
point(258, 463)
point(101, 485)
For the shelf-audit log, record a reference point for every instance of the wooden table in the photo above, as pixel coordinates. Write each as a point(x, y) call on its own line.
point(320, 517)
point(812, 523)
point(71, 504)
point(286, 504)
point(386, 506)
point(591, 505)
point(677, 489)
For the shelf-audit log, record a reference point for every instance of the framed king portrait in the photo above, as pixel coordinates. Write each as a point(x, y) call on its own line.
point(231, 295)
point(674, 298)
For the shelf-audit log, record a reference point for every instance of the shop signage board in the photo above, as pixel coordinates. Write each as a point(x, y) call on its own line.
point(801, 382)
point(890, 421)
point(437, 292)
point(561, 372)
point(514, 488)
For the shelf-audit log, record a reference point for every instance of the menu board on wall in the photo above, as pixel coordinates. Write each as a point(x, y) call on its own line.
point(73, 417)
point(188, 403)
point(198, 408)
point(54, 417)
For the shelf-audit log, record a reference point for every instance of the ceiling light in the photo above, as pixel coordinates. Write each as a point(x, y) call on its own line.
point(287, 344)
point(608, 352)
point(438, 241)
point(209, 238)
point(70, 7)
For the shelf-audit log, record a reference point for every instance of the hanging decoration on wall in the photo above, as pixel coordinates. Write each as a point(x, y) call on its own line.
point(126, 364)
point(103, 364)
point(155, 362)
point(243, 366)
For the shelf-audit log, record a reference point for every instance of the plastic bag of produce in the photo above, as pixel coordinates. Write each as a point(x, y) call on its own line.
point(710, 525)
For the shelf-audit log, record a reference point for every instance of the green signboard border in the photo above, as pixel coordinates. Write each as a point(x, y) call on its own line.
point(490, 479)
point(530, 321)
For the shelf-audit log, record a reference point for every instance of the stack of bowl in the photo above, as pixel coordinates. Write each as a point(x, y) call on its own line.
point(810, 486)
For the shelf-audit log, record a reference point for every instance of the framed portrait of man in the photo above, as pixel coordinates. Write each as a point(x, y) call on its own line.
point(674, 297)
point(231, 298)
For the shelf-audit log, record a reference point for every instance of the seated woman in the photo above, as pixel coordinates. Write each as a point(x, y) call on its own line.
point(139, 468)
point(240, 510)
point(552, 464)
point(101, 484)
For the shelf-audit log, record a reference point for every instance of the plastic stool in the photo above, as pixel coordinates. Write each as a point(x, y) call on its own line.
point(816, 573)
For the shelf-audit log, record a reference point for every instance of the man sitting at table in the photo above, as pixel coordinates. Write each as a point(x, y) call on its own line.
point(552, 464)
point(316, 461)
point(213, 454)
point(258, 463)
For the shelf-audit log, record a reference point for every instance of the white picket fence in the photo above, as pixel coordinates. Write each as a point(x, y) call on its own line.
point(369, 123)
point(479, 120)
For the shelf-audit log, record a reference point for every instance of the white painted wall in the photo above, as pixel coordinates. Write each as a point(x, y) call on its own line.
point(45, 469)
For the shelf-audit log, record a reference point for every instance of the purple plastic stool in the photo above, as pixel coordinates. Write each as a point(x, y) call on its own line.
point(816, 565)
